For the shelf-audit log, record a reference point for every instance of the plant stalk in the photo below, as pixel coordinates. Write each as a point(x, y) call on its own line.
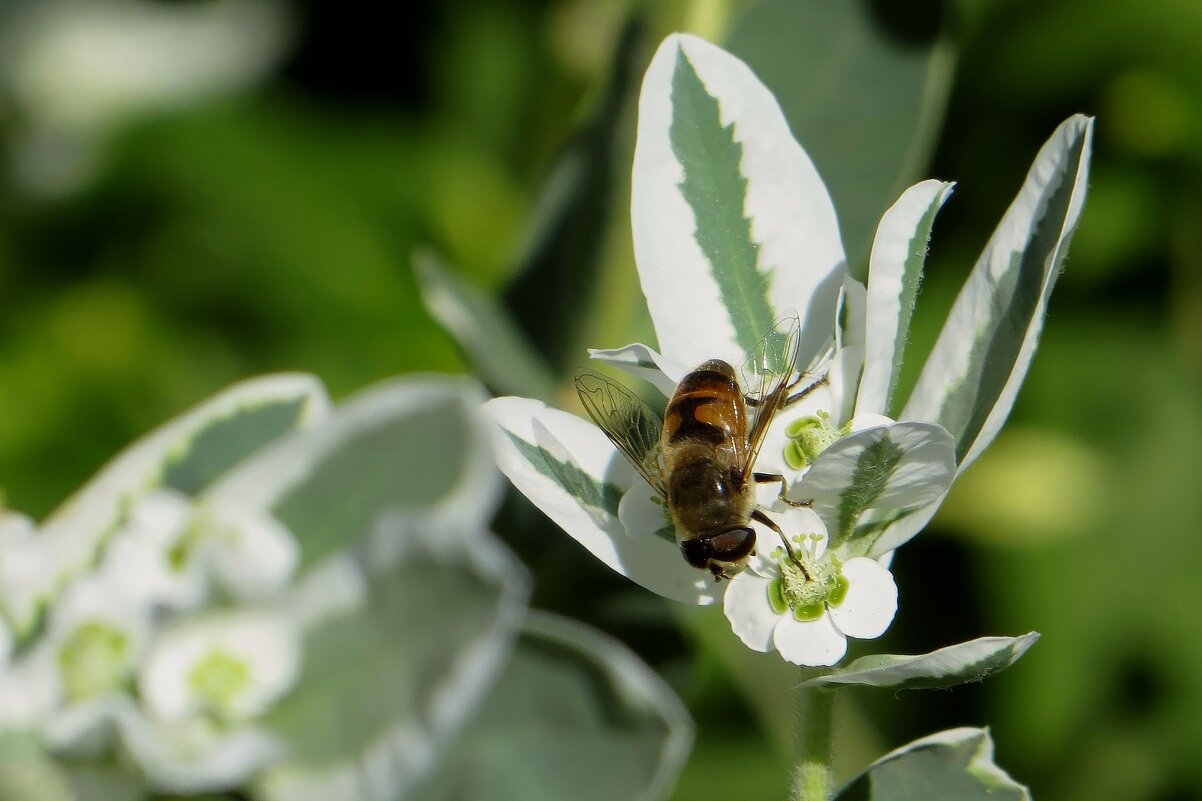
point(813, 750)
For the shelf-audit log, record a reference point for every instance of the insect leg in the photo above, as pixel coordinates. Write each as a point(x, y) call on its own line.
point(767, 478)
point(759, 516)
point(796, 396)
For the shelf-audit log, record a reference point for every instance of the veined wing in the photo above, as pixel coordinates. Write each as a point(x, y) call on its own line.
point(628, 422)
point(767, 378)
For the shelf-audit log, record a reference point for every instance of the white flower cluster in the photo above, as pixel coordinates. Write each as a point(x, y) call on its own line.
point(157, 639)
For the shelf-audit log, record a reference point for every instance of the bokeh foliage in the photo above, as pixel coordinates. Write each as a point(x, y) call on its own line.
point(273, 229)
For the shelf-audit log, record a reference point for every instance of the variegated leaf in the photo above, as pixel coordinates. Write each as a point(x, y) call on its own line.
point(559, 675)
point(493, 344)
point(876, 474)
point(428, 619)
point(894, 273)
point(953, 765)
point(946, 667)
point(570, 470)
point(415, 444)
point(970, 380)
point(732, 225)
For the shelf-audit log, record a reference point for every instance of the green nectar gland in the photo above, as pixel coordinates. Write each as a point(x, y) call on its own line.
point(809, 436)
point(807, 598)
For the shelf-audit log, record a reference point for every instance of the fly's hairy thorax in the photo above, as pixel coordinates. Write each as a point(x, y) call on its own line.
point(703, 446)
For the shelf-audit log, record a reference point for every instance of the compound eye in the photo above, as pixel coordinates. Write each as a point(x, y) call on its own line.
point(697, 552)
point(733, 545)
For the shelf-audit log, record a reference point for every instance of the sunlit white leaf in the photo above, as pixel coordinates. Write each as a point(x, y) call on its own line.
point(732, 225)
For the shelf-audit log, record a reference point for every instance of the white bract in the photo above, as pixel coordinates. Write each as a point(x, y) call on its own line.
point(733, 228)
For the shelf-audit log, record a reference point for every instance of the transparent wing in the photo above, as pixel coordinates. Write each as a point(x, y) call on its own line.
point(767, 377)
point(628, 422)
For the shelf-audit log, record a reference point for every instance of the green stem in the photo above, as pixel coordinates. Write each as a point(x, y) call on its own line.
point(813, 775)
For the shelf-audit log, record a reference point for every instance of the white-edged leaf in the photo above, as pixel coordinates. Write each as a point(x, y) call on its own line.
point(570, 470)
point(732, 225)
point(391, 675)
point(953, 765)
point(494, 345)
point(970, 380)
point(539, 734)
point(414, 445)
point(876, 474)
point(186, 454)
point(946, 667)
point(894, 273)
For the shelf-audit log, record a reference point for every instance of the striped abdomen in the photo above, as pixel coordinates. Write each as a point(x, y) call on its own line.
point(706, 410)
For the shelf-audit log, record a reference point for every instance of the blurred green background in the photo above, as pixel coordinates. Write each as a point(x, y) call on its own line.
point(192, 192)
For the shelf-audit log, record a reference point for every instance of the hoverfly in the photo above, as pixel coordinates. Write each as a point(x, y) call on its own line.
point(701, 458)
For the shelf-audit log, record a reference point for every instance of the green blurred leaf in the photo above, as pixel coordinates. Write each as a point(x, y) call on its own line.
point(565, 244)
point(225, 441)
point(956, 664)
point(27, 773)
point(95, 782)
point(401, 644)
point(495, 346)
point(764, 679)
point(863, 85)
point(573, 715)
point(409, 444)
point(953, 765)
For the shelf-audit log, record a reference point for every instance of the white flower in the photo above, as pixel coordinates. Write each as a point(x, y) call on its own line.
point(98, 633)
point(27, 574)
point(232, 665)
point(148, 559)
point(806, 609)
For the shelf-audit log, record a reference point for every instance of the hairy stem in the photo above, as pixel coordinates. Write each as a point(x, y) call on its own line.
point(813, 778)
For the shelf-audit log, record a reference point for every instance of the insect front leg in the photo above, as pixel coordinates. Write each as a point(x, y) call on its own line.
point(767, 478)
point(759, 516)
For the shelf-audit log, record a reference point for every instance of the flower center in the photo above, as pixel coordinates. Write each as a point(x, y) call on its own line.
point(811, 435)
point(219, 679)
point(807, 597)
point(94, 660)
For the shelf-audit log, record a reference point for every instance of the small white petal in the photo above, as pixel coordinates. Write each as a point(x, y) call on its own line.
point(816, 642)
point(196, 754)
point(160, 516)
point(141, 563)
point(252, 554)
point(28, 571)
point(84, 730)
point(749, 612)
point(643, 513)
point(871, 600)
point(30, 688)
